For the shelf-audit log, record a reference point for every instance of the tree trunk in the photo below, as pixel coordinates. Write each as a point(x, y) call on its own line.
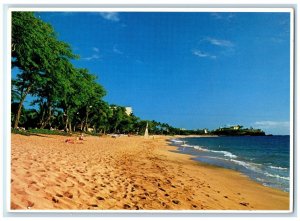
point(70, 126)
point(67, 120)
point(49, 115)
point(86, 121)
point(81, 125)
point(42, 121)
point(17, 118)
point(66, 125)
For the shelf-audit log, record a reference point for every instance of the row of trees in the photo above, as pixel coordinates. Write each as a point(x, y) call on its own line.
point(65, 95)
point(66, 98)
point(240, 131)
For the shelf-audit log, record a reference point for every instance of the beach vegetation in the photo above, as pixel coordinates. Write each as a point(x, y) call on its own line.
point(35, 52)
point(68, 99)
point(237, 131)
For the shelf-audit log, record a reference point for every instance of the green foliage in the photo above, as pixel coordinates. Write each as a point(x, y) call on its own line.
point(238, 132)
point(22, 132)
point(38, 131)
point(46, 131)
point(67, 97)
point(36, 51)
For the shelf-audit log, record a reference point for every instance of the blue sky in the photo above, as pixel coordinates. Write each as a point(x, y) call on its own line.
point(191, 70)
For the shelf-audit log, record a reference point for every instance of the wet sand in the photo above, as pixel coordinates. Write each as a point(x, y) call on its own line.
point(131, 173)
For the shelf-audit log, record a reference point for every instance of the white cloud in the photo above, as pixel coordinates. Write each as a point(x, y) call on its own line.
point(272, 124)
point(116, 50)
point(93, 57)
point(219, 42)
point(202, 54)
point(95, 49)
point(111, 16)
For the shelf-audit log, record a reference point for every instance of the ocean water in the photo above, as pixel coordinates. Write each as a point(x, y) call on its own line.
point(265, 159)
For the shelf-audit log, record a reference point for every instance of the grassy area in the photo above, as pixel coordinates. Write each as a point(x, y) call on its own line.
point(39, 131)
point(22, 132)
point(46, 131)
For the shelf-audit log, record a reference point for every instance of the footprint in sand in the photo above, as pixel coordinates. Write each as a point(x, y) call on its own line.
point(55, 200)
point(29, 204)
point(162, 189)
point(143, 197)
point(81, 184)
point(126, 206)
point(15, 206)
point(59, 195)
point(41, 170)
point(68, 194)
point(244, 203)
point(175, 201)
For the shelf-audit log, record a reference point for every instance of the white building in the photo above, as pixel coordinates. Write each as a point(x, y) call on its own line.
point(237, 127)
point(128, 110)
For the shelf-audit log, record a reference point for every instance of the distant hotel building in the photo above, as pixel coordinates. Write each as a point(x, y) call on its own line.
point(128, 110)
point(237, 127)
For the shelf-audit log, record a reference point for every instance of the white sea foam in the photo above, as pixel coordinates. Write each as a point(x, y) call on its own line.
point(200, 148)
point(278, 168)
point(259, 179)
point(177, 141)
point(276, 176)
point(226, 153)
point(251, 166)
point(186, 145)
point(217, 158)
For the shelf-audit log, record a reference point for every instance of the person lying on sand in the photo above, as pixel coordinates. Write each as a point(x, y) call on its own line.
point(72, 141)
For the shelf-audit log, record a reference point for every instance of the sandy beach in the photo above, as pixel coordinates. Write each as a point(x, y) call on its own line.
point(132, 173)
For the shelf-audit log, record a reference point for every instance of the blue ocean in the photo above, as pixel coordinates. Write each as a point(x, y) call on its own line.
point(265, 159)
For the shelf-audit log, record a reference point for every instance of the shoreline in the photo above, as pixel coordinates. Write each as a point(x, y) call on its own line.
point(127, 173)
point(174, 149)
point(224, 162)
